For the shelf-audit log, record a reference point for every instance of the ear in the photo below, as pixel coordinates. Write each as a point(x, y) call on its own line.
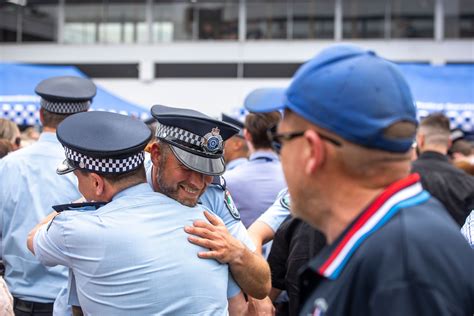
point(420, 140)
point(155, 153)
point(98, 183)
point(314, 152)
point(41, 116)
point(247, 135)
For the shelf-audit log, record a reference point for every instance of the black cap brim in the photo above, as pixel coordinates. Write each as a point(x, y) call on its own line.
point(205, 165)
point(65, 167)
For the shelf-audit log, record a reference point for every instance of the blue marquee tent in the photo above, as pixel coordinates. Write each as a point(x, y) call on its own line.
point(448, 89)
point(19, 103)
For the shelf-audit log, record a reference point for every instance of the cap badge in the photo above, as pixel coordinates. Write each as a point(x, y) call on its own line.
point(213, 141)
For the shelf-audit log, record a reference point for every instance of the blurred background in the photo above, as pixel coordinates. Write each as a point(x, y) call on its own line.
point(209, 55)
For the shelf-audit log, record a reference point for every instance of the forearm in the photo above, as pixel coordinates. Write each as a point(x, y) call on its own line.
point(260, 233)
point(31, 235)
point(252, 273)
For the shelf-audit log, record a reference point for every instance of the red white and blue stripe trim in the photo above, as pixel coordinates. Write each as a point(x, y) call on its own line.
point(404, 193)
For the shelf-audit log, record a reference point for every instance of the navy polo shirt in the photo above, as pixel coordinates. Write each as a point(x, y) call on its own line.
point(403, 255)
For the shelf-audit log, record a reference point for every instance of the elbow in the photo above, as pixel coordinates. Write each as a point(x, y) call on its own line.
point(264, 290)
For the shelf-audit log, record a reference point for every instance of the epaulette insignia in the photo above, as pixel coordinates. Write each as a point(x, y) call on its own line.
point(285, 201)
point(87, 206)
point(219, 181)
point(230, 205)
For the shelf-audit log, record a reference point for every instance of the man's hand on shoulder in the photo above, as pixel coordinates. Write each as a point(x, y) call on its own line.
point(215, 236)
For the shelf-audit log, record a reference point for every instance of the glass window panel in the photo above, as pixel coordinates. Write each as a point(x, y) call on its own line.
point(459, 19)
point(8, 22)
point(113, 22)
point(218, 20)
point(39, 21)
point(313, 19)
point(412, 18)
point(179, 15)
point(267, 19)
point(363, 18)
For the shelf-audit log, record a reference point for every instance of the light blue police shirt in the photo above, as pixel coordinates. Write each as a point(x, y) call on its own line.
point(277, 212)
point(132, 256)
point(234, 163)
point(29, 186)
point(255, 185)
point(214, 199)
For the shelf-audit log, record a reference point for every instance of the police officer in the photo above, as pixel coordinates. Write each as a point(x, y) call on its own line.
point(29, 186)
point(187, 159)
point(236, 151)
point(128, 253)
point(345, 142)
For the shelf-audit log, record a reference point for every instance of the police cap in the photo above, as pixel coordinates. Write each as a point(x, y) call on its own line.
point(66, 94)
point(102, 142)
point(237, 123)
point(196, 139)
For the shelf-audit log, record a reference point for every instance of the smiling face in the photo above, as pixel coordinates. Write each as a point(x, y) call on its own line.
point(176, 180)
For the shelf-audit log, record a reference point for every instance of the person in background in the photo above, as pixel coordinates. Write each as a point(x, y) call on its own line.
point(29, 186)
point(5, 147)
point(256, 184)
point(236, 151)
point(349, 176)
point(10, 131)
point(452, 186)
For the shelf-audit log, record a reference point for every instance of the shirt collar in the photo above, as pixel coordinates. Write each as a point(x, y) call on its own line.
point(234, 163)
point(133, 190)
point(403, 193)
point(268, 155)
point(433, 155)
point(48, 137)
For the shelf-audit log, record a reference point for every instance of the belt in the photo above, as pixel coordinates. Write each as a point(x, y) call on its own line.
point(28, 307)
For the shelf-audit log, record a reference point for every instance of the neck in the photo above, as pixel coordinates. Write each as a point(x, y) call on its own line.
point(49, 129)
point(261, 150)
point(436, 148)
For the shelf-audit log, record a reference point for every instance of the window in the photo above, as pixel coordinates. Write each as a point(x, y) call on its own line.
point(267, 19)
point(412, 18)
point(364, 18)
point(313, 19)
point(459, 19)
point(105, 22)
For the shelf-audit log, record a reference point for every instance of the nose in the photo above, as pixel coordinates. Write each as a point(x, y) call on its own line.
point(197, 180)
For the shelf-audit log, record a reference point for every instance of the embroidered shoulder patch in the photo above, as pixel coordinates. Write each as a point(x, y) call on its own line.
point(230, 205)
point(285, 201)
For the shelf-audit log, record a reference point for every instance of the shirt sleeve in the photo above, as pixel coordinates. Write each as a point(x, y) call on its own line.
point(277, 212)
point(213, 198)
point(49, 243)
point(468, 229)
point(232, 287)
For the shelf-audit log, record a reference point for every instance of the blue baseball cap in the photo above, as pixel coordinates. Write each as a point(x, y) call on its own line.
point(264, 99)
point(353, 93)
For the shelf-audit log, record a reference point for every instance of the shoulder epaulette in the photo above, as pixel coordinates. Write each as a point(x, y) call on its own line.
point(219, 181)
point(87, 206)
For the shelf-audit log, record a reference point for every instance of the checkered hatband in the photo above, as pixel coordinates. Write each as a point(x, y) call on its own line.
point(65, 107)
point(164, 131)
point(105, 165)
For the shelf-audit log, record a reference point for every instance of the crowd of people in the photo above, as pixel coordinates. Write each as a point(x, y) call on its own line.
point(335, 201)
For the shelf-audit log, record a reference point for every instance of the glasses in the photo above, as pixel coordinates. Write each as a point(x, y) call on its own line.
point(277, 139)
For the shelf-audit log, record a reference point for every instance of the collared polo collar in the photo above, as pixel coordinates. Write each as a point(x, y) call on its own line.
point(434, 156)
point(403, 193)
point(264, 155)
